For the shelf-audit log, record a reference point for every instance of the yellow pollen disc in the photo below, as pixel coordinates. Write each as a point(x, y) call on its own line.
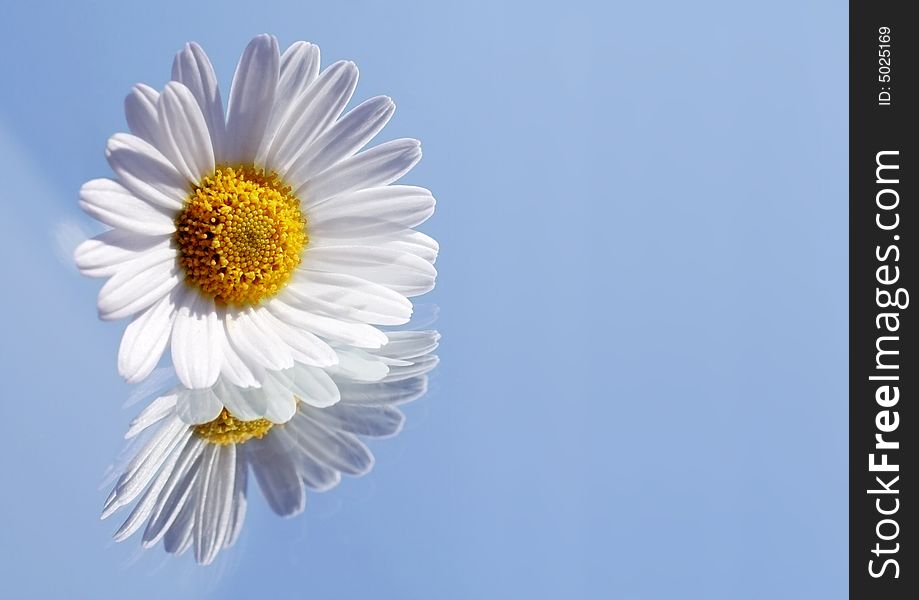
point(240, 235)
point(227, 429)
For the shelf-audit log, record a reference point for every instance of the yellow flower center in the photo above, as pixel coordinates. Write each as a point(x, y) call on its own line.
point(240, 235)
point(227, 429)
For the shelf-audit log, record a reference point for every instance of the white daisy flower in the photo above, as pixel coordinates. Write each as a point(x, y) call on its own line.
point(190, 481)
point(250, 242)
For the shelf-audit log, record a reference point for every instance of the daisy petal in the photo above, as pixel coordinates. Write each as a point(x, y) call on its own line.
point(176, 537)
point(390, 393)
point(197, 406)
point(234, 368)
point(140, 112)
point(359, 365)
point(103, 255)
point(419, 367)
point(347, 297)
point(215, 507)
point(342, 140)
point(407, 345)
point(311, 113)
point(400, 271)
point(139, 284)
point(239, 500)
point(316, 476)
point(354, 334)
point(399, 240)
point(153, 413)
point(196, 341)
point(110, 202)
point(179, 489)
point(144, 171)
point(252, 98)
point(299, 67)
point(372, 421)
point(145, 339)
point(277, 475)
point(144, 466)
point(245, 403)
point(414, 242)
point(148, 502)
point(371, 212)
point(281, 402)
point(192, 68)
point(380, 165)
point(313, 386)
point(336, 449)
point(186, 140)
point(304, 346)
point(256, 341)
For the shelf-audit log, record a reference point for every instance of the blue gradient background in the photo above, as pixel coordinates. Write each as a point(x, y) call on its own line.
point(643, 221)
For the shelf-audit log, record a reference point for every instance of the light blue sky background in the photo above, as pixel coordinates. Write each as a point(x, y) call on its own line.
point(642, 214)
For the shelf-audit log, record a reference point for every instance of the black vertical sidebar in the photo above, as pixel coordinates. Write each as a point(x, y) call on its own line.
point(883, 271)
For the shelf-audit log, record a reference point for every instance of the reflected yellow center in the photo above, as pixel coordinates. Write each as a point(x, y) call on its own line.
point(227, 429)
point(240, 235)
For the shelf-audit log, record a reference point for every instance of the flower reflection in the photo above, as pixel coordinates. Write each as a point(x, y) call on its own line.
point(190, 481)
